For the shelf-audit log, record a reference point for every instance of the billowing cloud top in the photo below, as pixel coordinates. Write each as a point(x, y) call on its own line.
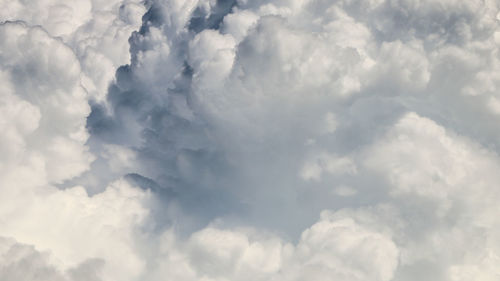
point(241, 140)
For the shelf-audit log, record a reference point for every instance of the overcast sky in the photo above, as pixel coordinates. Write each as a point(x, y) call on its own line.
point(249, 140)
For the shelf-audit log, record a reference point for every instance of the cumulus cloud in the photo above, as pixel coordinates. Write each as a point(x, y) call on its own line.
point(23, 262)
point(45, 109)
point(41, 87)
point(97, 31)
point(337, 247)
point(249, 140)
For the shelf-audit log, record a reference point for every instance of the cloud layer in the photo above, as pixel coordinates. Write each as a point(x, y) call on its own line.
point(249, 140)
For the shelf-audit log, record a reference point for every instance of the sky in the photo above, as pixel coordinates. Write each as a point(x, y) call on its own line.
point(240, 140)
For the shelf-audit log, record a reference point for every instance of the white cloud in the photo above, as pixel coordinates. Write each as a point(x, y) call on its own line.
point(97, 31)
point(73, 230)
point(337, 247)
point(241, 121)
point(449, 182)
point(45, 109)
point(41, 78)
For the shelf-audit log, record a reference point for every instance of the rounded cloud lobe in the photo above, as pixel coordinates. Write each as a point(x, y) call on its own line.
point(249, 140)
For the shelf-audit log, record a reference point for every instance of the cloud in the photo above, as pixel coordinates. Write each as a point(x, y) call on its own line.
point(39, 91)
point(337, 247)
point(97, 31)
point(201, 140)
point(44, 144)
point(447, 184)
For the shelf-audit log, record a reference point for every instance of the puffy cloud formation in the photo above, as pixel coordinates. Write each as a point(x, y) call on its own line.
point(337, 247)
point(44, 112)
point(249, 140)
point(96, 30)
